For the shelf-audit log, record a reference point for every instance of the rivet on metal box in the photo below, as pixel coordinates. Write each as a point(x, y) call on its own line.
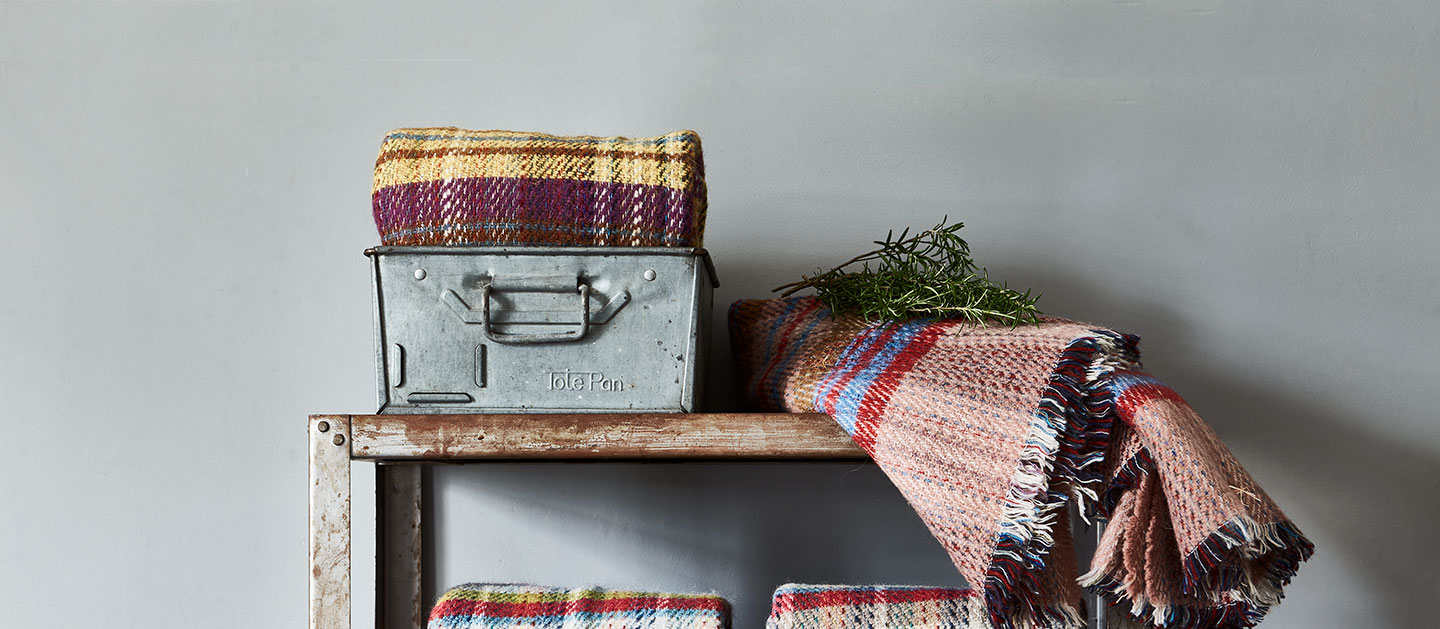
point(525, 272)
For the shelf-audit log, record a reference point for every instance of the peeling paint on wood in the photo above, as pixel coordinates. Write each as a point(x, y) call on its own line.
point(329, 522)
point(718, 436)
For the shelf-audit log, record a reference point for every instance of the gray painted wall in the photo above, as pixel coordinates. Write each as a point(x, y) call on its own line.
point(184, 190)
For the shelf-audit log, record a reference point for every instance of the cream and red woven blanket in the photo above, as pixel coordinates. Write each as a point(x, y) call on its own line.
point(799, 606)
point(519, 606)
point(989, 432)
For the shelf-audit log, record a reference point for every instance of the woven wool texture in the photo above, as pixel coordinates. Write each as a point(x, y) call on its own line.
point(797, 606)
point(989, 432)
point(511, 606)
point(448, 186)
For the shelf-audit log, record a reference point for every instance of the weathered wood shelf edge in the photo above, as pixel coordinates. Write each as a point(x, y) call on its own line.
point(573, 436)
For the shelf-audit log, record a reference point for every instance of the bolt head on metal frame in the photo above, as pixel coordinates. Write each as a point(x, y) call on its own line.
point(338, 440)
point(323, 426)
point(649, 275)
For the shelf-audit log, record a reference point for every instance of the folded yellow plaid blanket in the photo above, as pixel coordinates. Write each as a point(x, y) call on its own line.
point(989, 433)
point(449, 186)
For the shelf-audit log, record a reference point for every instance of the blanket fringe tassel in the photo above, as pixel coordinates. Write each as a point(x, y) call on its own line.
point(1068, 436)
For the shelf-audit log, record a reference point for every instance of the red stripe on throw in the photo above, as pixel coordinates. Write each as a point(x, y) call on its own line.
point(1134, 397)
point(873, 346)
point(878, 396)
point(781, 352)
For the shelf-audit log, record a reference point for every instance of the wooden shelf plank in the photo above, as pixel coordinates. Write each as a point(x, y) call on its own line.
point(713, 436)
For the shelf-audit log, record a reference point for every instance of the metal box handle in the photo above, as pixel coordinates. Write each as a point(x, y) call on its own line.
point(531, 339)
point(460, 307)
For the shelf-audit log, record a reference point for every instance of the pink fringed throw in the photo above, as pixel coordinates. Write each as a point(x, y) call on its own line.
point(990, 431)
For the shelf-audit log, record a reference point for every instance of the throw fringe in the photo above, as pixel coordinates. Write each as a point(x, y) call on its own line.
point(1205, 572)
point(1070, 431)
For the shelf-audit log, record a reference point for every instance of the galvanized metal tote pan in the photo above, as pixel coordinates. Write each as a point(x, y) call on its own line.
point(540, 329)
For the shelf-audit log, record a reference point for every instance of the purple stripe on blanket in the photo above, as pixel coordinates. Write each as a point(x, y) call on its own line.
point(598, 213)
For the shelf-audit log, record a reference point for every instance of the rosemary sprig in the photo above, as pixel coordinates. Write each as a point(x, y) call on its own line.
point(930, 274)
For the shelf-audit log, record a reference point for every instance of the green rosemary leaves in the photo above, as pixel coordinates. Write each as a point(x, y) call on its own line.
point(930, 274)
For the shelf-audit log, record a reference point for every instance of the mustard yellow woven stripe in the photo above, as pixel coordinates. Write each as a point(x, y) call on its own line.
point(634, 161)
point(677, 143)
point(678, 147)
point(457, 131)
point(491, 596)
point(602, 169)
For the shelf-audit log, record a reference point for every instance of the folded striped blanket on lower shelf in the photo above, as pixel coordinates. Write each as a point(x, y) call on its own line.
point(989, 432)
point(514, 606)
point(797, 606)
